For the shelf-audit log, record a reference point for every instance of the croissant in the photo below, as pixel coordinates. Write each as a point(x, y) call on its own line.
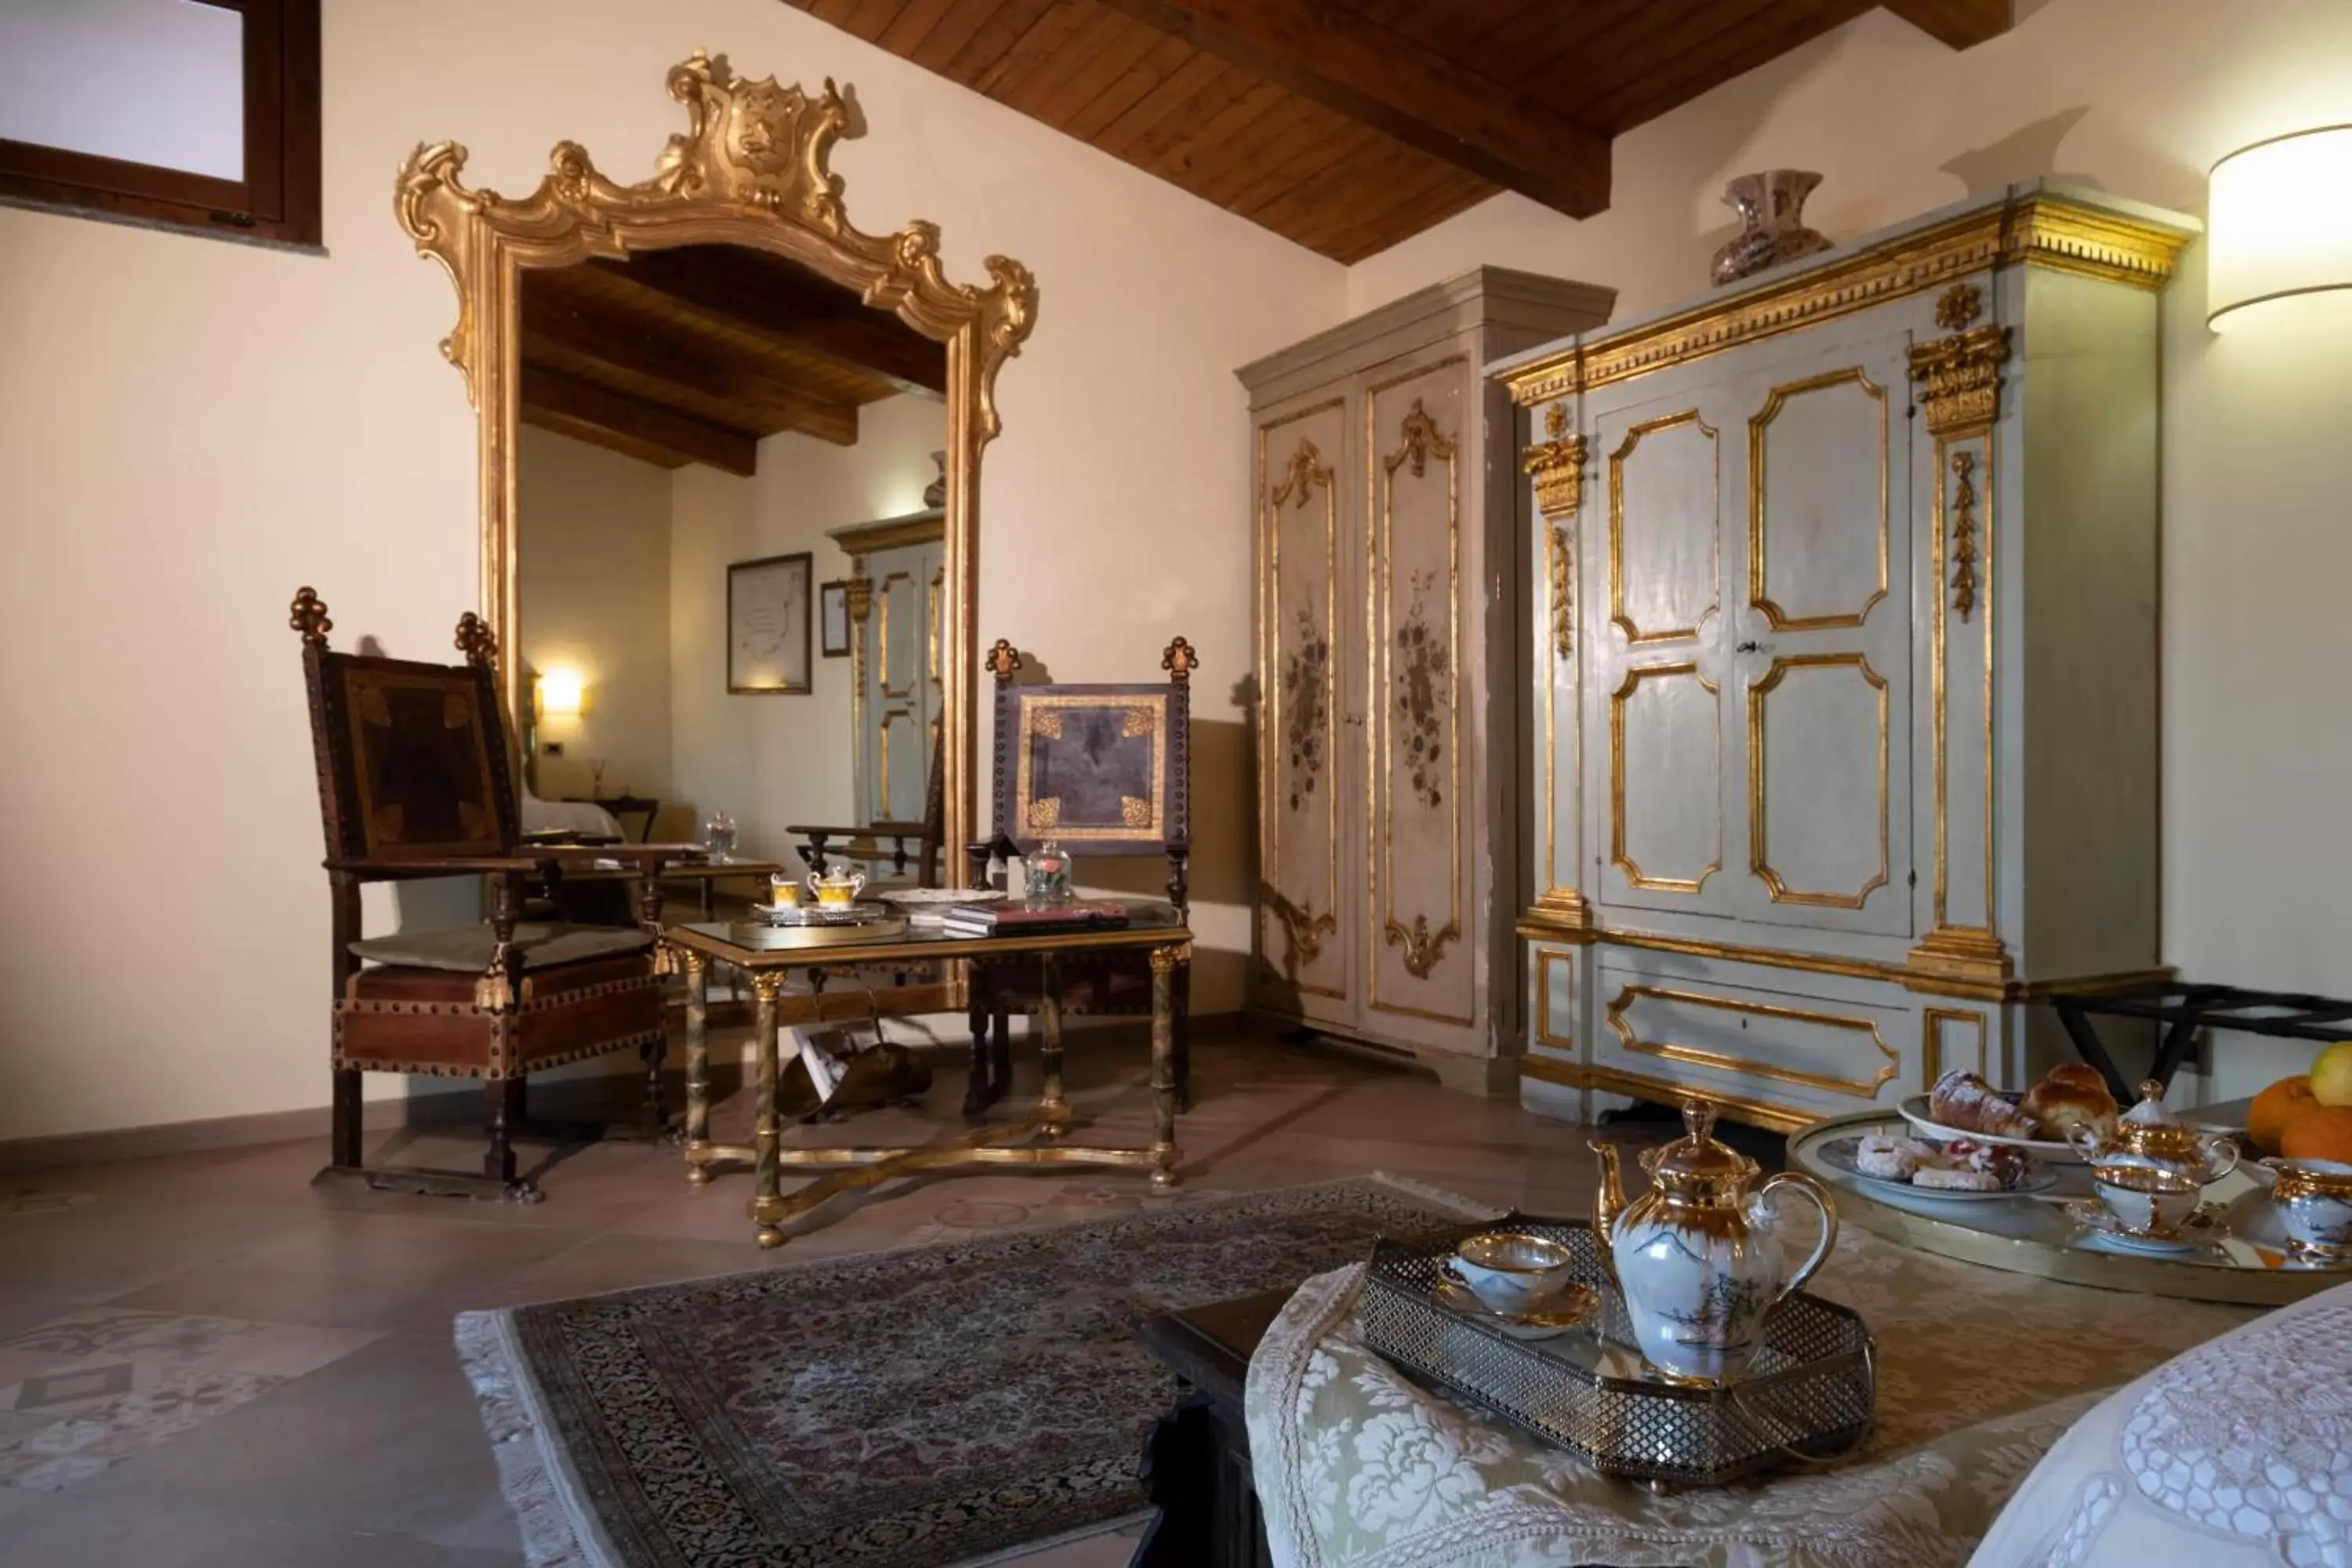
point(1965, 1102)
point(2072, 1094)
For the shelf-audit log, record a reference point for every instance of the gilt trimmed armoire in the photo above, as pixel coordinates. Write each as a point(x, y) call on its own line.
point(1846, 681)
point(1391, 711)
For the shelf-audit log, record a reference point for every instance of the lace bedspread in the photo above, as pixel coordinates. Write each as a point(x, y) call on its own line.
point(1979, 1373)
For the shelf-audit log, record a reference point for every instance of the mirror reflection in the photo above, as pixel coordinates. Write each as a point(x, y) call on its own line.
point(730, 543)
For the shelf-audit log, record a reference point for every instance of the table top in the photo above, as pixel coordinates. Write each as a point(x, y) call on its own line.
point(754, 944)
point(688, 871)
point(2033, 1235)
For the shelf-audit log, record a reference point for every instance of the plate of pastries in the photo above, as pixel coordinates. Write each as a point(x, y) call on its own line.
point(1961, 1168)
point(1962, 1105)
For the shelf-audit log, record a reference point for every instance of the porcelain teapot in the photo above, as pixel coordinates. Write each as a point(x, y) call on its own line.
point(2149, 1134)
point(1700, 1259)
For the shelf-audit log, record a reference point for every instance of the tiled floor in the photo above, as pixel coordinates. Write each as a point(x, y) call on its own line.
point(204, 1360)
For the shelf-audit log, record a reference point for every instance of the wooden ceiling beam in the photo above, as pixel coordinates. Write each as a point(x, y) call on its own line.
point(625, 346)
point(1961, 24)
point(1379, 78)
point(807, 315)
point(663, 436)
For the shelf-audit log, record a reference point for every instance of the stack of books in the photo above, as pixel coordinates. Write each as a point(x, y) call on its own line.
point(1035, 919)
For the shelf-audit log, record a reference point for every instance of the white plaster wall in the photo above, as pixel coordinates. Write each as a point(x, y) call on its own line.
point(771, 761)
point(595, 580)
point(2139, 97)
point(189, 430)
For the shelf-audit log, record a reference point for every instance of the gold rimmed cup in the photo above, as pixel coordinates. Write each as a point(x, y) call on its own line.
point(2152, 1202)
point(1511, 1272)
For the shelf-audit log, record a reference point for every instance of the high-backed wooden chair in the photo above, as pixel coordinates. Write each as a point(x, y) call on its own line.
point(1104, 770)
point(818, 849)
point(413, 783)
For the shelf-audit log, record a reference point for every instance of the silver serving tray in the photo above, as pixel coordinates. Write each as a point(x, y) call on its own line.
point(1809, 1396)
point(859, 914)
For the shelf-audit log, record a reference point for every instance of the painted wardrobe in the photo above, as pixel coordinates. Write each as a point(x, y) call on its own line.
point(1392, 717)
point(1845, 674)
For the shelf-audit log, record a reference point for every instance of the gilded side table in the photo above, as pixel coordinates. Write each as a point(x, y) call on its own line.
point(767, 955)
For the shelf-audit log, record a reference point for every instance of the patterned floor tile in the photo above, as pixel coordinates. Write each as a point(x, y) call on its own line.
point(92, 1387)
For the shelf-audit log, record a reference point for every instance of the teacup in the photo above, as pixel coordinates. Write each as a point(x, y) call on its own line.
point(2314, 1199)
point(784, 891)
point(2148, 1200)
point(1510, 1271)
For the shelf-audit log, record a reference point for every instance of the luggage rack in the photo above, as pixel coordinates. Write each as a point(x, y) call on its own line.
point(2184, 1008)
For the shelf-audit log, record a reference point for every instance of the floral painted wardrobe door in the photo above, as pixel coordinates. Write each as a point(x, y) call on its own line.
point(1418, 701)
point(1302, 511)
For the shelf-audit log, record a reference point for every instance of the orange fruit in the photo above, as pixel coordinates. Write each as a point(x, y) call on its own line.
point(2319, 1132)
point(2274, 1108)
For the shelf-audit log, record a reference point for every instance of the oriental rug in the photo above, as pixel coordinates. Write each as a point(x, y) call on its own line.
point(937, 1405)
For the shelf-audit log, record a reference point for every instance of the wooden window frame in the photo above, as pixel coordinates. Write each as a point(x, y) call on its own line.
point(278, 197)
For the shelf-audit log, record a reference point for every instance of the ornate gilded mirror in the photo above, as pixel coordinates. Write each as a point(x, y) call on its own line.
point(742, 204)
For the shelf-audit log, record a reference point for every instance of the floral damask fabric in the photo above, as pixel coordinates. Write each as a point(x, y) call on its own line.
point(1979, 1374)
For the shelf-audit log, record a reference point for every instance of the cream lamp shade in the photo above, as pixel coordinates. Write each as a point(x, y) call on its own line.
point(561, 693)
point(2279, 218)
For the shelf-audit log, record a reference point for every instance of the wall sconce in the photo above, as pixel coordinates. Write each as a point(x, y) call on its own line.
point(560, 694)
point(2279, 218)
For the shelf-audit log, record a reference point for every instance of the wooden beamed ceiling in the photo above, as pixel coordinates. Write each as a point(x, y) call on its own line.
point(692, 355)
point(1349, 125)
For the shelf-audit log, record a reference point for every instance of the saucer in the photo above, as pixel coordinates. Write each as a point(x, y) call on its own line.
point(2199, 1231)
point(1569, 1307)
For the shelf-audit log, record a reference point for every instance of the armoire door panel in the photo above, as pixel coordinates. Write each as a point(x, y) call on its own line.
point(1663, 539)
point(1664, 768)
point(901, 764)
point(1655, 820)
point(1819, 681)
point(899, 634)
point(1818, 754)
point(1819, 523)
point(1309, 753)
point(1420, 954)
point(897, 697)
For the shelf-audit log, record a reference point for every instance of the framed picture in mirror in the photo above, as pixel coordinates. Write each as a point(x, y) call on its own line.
point(768, 625)
point(832, 616)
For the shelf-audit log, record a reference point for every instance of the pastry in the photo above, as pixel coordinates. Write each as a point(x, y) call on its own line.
point(2007, 1167)
point(1890, 1158)
point(1965, 1102)
point(1962, 1181)
point(2071, 1095)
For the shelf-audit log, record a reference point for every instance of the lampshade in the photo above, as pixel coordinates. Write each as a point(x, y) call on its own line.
point(561, 693)
point(2279, 217)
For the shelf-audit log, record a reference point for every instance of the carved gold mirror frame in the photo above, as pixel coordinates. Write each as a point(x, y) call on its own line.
point(750, 169)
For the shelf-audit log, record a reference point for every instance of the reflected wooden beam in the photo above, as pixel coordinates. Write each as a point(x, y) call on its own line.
point(1962, 24)
point(699, 374)
point(630, 425)
point(773, 299)
point(1375, 76)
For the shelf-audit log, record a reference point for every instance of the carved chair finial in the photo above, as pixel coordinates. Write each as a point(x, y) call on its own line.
point(1179, 661)
point(475, 639)
point(310, 618)
point(1004, 661)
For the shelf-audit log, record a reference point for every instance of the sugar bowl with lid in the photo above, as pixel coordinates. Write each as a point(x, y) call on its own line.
point(2148, 1136)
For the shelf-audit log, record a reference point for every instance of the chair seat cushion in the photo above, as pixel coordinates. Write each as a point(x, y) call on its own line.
point(467, 948)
